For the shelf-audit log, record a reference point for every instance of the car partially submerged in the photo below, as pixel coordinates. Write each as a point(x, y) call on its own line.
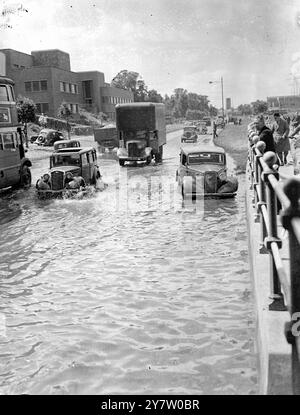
point(48, 136)
point(66, 165)
point(189, 134)
point(203, 171)
point(59, 145)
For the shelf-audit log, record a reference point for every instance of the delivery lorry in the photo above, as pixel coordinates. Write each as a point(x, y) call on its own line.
point(141, 129)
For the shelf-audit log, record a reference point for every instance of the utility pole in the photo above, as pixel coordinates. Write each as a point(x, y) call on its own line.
point(222, 97)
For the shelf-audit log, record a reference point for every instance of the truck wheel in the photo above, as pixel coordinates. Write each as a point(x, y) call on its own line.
point(158, 155)
point(25, 179)
point(122, 162)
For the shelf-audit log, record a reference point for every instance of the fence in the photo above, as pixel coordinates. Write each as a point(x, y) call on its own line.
point(276, 200)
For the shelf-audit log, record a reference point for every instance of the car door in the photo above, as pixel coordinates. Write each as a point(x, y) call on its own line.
point(85, 167)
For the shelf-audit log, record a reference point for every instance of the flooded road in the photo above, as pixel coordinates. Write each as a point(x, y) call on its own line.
point(129, 292)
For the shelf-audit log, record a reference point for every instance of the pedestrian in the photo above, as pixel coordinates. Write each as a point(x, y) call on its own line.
point(281, 136)
point(264, 133)
point(215, 130)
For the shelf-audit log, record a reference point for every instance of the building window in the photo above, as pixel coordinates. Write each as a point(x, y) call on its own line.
point(28, 86)
point(76, 89)
point(61, 86)
point(44, 85)
point(67, 87)
point(42, 108)
point(35, 86)
point(72, 88)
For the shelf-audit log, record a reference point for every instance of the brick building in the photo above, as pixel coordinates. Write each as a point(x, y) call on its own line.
point(45, 76)
point(287, 102)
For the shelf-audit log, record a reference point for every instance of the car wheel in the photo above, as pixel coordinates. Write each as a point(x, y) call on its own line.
point(121, 163)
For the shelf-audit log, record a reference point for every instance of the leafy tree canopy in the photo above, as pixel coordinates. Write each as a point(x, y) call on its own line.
point(259, 106)
point(26, 109)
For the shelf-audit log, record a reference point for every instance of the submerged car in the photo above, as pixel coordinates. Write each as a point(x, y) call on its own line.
point(59, 145)
point(189, 135)
point(47, 137)
point(203, 171)
point(66, 164)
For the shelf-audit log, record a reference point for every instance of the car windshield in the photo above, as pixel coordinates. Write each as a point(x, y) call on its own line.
point(66, 160)
point(189, 129)
point(203, 158)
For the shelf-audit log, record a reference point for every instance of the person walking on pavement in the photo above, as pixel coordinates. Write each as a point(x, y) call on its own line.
point(281, 131)
point(215, 130)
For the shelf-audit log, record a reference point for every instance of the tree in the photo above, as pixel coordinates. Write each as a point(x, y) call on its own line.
point(140, 94)
point(26, 110)
point(259, 106)
point(154, 96)
point(213, 111)
point(65, 113)
point(125, 80)
point(245, 109)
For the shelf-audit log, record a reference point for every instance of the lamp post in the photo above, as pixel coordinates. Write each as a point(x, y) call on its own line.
point(222, 91)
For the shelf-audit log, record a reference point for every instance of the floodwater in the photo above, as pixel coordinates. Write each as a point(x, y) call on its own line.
point(128, 292)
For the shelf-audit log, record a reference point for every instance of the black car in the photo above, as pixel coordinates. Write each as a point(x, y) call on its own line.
point(48, 137)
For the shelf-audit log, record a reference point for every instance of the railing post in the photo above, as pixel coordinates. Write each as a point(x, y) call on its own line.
point(262, 197)
point(292, 190)
point(275, 294)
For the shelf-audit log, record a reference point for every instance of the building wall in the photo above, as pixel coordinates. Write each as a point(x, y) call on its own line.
point(53, 57)
point(291, 102)
point(97, 81)
point(60, 76)
point(53, 68)
point(112, 96)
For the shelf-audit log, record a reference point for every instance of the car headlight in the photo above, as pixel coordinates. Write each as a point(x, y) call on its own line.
point(222, 175)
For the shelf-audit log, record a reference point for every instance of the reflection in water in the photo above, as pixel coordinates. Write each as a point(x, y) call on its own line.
point(127, 292)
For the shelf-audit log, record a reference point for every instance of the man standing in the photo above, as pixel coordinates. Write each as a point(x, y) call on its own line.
point(281, 131)
point(264, 133)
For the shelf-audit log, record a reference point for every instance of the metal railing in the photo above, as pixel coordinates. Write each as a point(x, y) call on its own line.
point(276, 201)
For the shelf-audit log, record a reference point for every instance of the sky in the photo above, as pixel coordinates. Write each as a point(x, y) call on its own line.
point(253, 45)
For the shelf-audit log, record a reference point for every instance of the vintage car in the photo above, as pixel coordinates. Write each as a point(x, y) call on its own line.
point(203, 171)
point(207, 121)
point(47, 137)
point(189, 135)
point(59, 145)
point(202, 128)
point(80, 162)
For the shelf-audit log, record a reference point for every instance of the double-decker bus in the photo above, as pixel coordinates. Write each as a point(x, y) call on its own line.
point(14, 166)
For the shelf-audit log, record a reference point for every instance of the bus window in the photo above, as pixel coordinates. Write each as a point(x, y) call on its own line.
point(3, 93)
point(8, 141)
point(4, 115)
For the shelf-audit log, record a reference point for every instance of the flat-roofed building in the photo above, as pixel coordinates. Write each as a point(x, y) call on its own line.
point(46, 77)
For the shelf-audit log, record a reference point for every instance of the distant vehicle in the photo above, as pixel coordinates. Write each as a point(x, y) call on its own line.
point(202, 128)
point(189, 135)
point(78, 161)
point(207, 120)
point(14, 166)
point(106, 137)
point(47, 137)
point(203, 171)
point(141, 128)
point(59, 145)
